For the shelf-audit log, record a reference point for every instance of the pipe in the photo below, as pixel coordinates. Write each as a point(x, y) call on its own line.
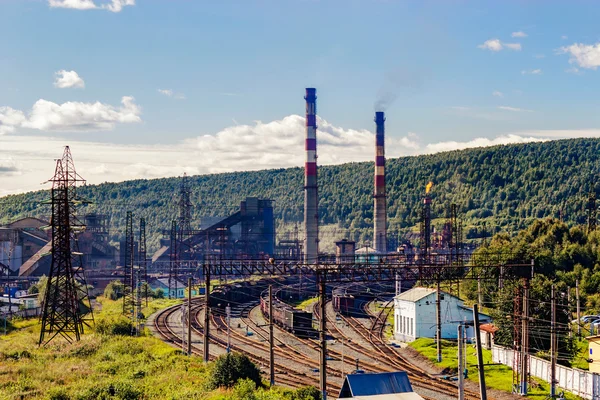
point(311, 197)
point(379, 195)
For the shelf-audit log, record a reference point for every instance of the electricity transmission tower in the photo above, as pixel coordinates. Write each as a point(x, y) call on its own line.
point(128, 272)
point(67, 306)
point(142, 257)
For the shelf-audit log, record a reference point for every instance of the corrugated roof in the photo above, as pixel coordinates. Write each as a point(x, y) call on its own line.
point(375, 384)
point(395, 396)
point(416, 294)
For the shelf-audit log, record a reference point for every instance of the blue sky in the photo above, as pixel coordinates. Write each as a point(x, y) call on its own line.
point(196, 75)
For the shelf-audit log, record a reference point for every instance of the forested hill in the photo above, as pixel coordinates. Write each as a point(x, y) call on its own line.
point(506, 186)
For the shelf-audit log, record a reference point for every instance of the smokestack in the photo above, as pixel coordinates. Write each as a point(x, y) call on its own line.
point(380, 212)
point(311, 199)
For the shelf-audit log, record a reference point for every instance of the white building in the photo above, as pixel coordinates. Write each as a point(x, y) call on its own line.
point(415, 315)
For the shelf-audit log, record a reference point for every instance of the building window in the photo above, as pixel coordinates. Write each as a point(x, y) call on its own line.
point(399, 327)
point(411, 327)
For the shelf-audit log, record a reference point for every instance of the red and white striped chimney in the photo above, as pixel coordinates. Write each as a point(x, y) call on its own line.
point(380, 212)
point(311, 196)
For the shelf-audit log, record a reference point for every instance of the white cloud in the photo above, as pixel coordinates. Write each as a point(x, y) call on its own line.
point(166, 92)
point(531, 72)
point(496, 45)
point(117, 5)
point(573, 70)
point(28, 160)
point(497, 94)
point(491, 44)
point(68, 79)
point(75, 4)
point(514, 109)
point(519, 34)
point(564, 37)
point(70, 116)
point(171, 93)
point(114, 5)
point(478, 142)
point(513, 46)
point(10, 119)
point(584, 55)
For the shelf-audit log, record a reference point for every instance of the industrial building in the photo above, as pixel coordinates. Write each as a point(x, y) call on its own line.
point(26, 245)
point(415, 315)
point(247, 233)
point(21, 240)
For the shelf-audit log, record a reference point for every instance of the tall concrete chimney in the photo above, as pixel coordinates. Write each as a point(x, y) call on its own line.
point(311, 195)
point(380, 212)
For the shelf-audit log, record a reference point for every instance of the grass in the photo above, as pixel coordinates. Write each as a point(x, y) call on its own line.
point(496, 376)
point(580, 361)
point(106, 366)
point(306, 304)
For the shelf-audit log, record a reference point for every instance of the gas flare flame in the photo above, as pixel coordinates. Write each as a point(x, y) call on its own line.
point(428, 187)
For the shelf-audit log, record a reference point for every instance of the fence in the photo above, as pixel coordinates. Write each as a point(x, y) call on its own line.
point(577, 381)
point(26, 313)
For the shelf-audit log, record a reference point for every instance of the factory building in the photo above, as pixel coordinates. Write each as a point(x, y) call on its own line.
point(26, 246)
point(247, 233)
point(20, 240)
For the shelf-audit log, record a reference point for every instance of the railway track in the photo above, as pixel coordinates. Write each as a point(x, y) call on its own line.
point(285, 375)
point(377, 346)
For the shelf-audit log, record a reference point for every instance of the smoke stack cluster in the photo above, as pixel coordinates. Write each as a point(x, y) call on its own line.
point(311, 199)
point(380, 212)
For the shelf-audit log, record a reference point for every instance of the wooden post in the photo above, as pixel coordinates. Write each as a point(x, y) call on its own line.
point(553, 347)
point(525, 339)
point(482, 389)
point(206, 312)
point(461, 376)
point(323, 333)
point(271, 343)
point(578, 309)
point(438, 317)
point(189, 318)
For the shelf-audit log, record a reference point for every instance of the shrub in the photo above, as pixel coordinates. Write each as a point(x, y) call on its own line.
point(114, 290)
point(307, 393)
point(230, 368)
point(119, 325)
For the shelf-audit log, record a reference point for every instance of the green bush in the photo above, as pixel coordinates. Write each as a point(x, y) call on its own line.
point(114, 290)
point(230, 368)
point(118, 325)
point(307, 393)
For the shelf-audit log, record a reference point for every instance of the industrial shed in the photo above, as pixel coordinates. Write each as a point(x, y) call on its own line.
point(383, 386)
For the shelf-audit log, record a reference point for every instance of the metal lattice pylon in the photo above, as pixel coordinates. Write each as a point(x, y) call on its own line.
point(142, 257)
point(173, 263)
point(66, 307)
point(128, 273)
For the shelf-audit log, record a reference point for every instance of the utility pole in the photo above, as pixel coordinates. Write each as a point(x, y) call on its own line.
point(461, 376)
point(206, 311)
point(228, 314)
point(578, 309)
point(438, 316)
point(569, 308)
point(553, 347)
point(189, 318)
point(525, 339)
point(271, 343)
point(322, 277)
point(482, 389)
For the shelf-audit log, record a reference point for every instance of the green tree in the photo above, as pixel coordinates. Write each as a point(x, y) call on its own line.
point(232, 367)
point(114, 290)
